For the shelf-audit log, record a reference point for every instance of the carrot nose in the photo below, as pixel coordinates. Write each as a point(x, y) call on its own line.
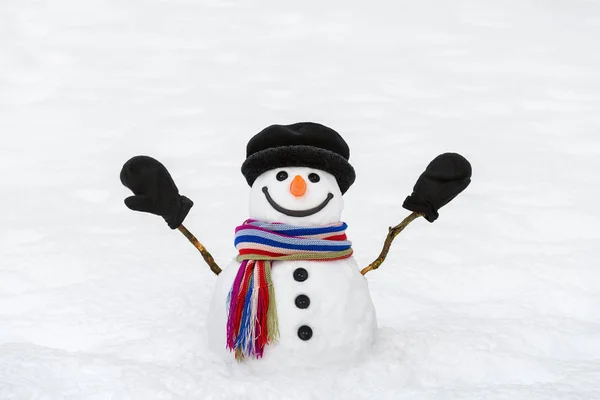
point(298, 186)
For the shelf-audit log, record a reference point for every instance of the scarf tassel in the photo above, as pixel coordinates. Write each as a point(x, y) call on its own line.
point(252, 321)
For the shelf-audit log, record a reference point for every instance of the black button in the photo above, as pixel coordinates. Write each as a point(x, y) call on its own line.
point(300, 274)
point(302, 301)
point(304, 332)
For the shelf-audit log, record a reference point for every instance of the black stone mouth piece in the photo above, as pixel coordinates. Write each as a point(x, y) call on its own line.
point(296, 213)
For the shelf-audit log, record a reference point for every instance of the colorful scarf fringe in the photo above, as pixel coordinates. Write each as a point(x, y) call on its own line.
point(252, 321)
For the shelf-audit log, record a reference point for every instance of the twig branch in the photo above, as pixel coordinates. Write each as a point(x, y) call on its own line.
point(393, 232)
point(205, 254)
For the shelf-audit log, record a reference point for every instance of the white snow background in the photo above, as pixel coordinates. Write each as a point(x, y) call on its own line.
point(498, 299)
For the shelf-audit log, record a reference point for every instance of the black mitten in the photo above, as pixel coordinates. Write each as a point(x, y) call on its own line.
point(444, 178)
point(154, 190)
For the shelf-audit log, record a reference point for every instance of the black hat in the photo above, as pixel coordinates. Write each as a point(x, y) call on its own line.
point(304, 144)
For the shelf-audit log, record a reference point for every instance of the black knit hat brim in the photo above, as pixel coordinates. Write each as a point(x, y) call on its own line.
point(299, 156)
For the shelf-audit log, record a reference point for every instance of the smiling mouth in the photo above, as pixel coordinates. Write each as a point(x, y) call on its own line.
point(296, 213)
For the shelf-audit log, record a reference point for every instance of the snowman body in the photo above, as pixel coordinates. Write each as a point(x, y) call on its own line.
point(325, 313)
point(339, 315)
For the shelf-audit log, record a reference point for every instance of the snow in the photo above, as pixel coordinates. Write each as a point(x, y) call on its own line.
point(498, 299)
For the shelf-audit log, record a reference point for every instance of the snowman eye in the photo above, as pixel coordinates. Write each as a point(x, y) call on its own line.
point(314, 178)
point(282, 176)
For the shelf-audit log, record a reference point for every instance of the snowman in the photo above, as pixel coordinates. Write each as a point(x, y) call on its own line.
point(294, 295)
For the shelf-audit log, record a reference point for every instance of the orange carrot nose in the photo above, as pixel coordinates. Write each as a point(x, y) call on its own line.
point(298, 186)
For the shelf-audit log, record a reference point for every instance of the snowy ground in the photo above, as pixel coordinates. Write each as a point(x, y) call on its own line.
point(499, 299)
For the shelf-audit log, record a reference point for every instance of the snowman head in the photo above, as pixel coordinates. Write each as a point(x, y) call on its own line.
point(298, 174)
point(296, 195)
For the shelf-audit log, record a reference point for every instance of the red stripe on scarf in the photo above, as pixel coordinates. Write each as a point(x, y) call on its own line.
point(260, 253)
point(338, 237)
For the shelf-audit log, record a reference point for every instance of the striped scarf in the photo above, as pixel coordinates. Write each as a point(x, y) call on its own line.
point(252, 321)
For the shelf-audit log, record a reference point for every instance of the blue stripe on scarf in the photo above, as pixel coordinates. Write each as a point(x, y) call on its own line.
point(335, 246)
point(313, 231)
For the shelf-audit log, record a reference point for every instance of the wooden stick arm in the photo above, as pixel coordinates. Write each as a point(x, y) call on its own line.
point(393, 232)
point(205, 254)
